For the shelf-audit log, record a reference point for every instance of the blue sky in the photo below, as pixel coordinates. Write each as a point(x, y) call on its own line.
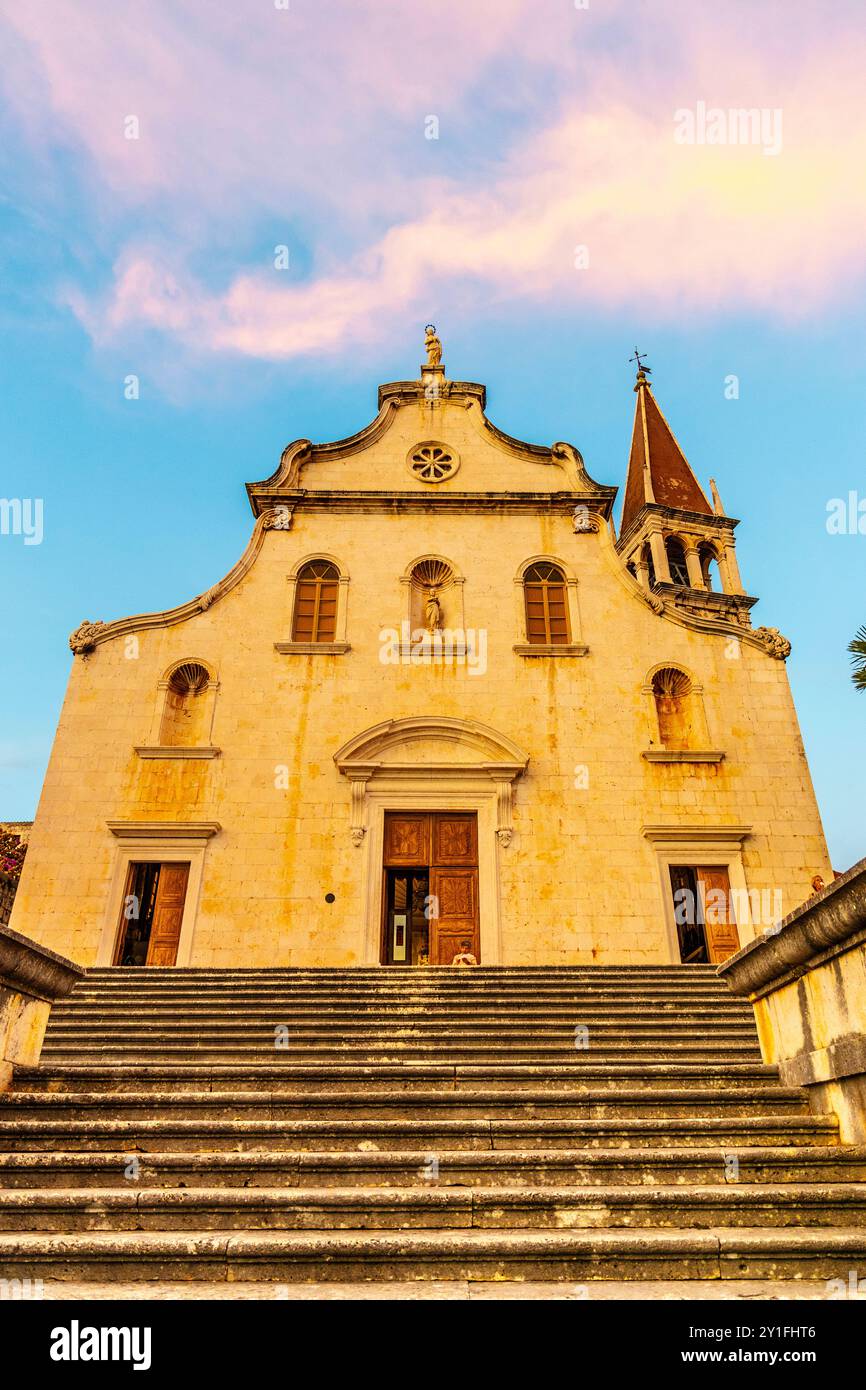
point(156, 258)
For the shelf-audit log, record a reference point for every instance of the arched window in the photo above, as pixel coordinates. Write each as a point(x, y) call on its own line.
point(546, 605)
point(315, 617)
point(677, 562)
point(672, 692)
point(186, 706)
point(650, 567)
point(710, 568)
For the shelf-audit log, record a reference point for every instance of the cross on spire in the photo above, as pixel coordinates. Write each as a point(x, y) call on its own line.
point(642, 369)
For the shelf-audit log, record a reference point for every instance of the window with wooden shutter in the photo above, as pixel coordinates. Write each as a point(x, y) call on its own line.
point(315, 618)
point(546, 605)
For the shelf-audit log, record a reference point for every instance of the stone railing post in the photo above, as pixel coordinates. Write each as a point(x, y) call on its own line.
point(31, 979)
point(806, 979)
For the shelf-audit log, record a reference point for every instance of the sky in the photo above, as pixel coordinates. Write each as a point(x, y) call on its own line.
point(222, 226)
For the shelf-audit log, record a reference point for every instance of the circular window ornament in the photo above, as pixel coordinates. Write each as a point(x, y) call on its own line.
point(432, 462)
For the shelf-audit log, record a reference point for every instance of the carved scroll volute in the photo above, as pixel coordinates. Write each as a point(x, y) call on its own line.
point(774, 643)
point(504, 824)
point(358, 823)
point(83, 639)
point(278, 517)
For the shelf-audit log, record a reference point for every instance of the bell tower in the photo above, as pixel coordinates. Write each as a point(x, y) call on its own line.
point(677, 544)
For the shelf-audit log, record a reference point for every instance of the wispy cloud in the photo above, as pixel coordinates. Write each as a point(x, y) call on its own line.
point(553, 137)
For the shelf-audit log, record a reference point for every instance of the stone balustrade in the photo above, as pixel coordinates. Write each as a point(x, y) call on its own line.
point(31, 979)
point(806, 978)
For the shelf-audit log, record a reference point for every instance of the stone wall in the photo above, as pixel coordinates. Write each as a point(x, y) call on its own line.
point(807, 982)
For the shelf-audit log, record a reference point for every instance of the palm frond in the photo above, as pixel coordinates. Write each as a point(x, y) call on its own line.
point(857, 648)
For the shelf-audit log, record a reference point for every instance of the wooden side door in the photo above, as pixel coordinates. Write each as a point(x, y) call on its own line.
point(720, 925)
point(453, 885)
point(167, 914)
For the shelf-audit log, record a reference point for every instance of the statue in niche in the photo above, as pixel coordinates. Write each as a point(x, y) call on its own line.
point(433, 610)
point(432, 345)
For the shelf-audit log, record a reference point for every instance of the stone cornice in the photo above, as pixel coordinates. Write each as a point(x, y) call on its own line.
point(765, 639)
point(163, 829)
point(550, 649)
point(684, 755)
point(369, 500)
point(174, 751)
point(495, 750)
point(700, 834)
point(830, 921)
point(714, 597)
point(675, 516)
point(457, 392)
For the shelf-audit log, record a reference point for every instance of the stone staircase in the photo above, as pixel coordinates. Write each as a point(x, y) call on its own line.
point(402, 1124)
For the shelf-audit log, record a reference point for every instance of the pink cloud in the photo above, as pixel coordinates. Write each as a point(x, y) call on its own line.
point(318, 117)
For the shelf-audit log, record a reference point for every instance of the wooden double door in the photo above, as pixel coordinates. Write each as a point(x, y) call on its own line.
point(430, 889)
point(152, 913)
point(704, 913)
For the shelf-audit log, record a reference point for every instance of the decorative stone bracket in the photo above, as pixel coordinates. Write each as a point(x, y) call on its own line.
point(358, 826)
point(504, 824)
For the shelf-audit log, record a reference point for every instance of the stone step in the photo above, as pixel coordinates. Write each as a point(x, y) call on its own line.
point(419, 1125)
point(398, 1076)
point(401, 1208)
point(207, 1059)
point(656, 1166)
point(421, 1027)
point(181, 984)
point(370, 1103)
point(445, 1015)
point(434, 1134)
point(402, 1000)
point(735, 1252)
point(407, 1050)
point(399, 1000)
point(331, 973)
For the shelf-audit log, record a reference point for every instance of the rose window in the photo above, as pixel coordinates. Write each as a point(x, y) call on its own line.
point(432, 462)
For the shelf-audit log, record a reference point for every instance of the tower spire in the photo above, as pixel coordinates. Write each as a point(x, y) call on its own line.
point(658, 470)
point(671, 539)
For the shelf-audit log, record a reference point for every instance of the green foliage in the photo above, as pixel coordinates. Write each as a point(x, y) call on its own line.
point(857, 648)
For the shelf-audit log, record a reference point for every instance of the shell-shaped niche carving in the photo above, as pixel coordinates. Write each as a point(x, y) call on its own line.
point(185, 708)
point(429, 573)
point(431, 579)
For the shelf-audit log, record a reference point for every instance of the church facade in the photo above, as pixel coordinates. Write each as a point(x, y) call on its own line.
point(439, 705)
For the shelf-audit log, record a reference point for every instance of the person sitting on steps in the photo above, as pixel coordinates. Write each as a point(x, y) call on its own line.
point(465, 956)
